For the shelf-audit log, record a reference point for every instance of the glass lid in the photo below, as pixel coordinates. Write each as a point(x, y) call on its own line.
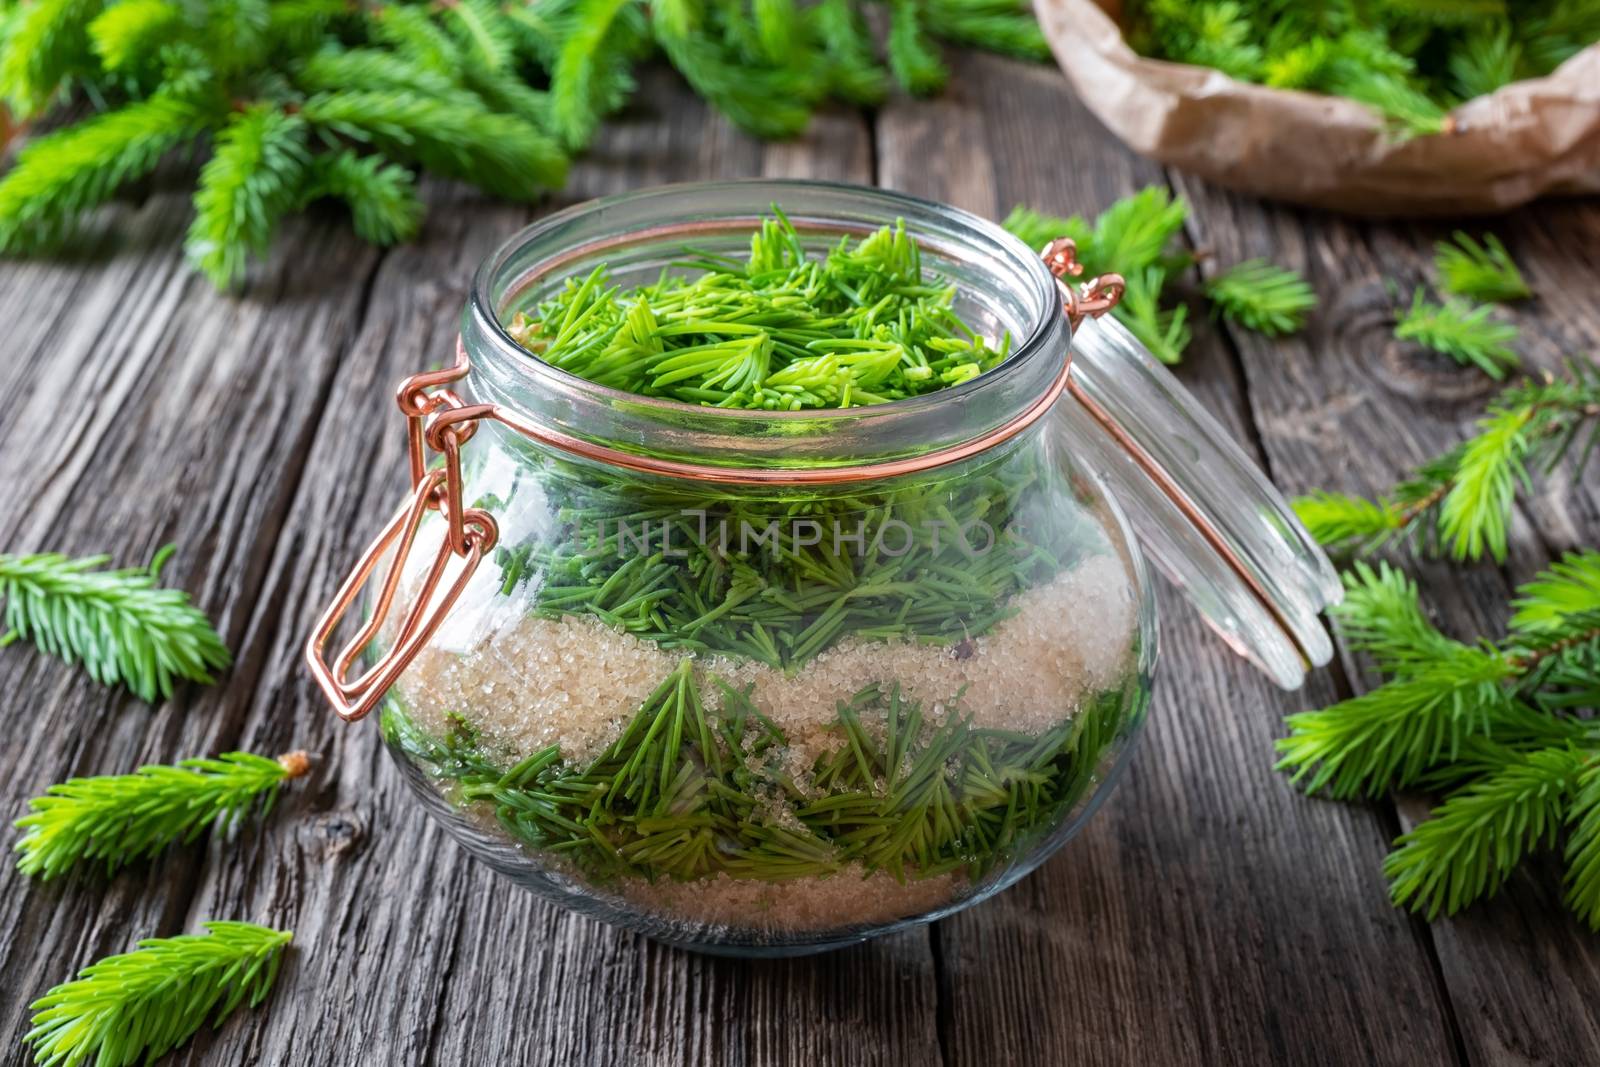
point(1203, 511)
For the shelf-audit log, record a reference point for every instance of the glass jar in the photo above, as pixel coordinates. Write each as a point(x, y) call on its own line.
point(774, 682)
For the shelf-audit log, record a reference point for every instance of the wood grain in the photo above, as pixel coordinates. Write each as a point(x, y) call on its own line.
point(147, 409)
point(1346, 407)
point(1209, 915)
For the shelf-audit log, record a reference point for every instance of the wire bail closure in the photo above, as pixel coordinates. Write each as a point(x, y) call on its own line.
point(441, 422)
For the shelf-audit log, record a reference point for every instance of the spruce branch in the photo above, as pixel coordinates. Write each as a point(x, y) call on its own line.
point(1474, 515)
point(1486, 59)
point(1133, 237)
point(487, 40)
point(1037, 229)
point(505, 91)
point(1474, 840)
point(376, 70)
point(1500, 725)
point(675, 20)
point(768, 102)
point(1136, 232)
point(471, 89)
point(1298, 66)
point(300, 26)
point(1479, 271)
point(1136, 237)
point(1368, 73)
point(1440, 694)
point(1563, 601)
point(236, 36)
point(118, 624)
point(1462, 331)
point(1554, 33)
point(777, 29)
point(61, 175)
point(996, 25)
point(591, 78)
point(1163, 330)
point(118, 819)
point(139, 1005)
point(410, 31)
point(1213, 33)
point(1461, 502)
point(1351, 523)
point(1261, 297)
point(1382, 616)
point(1555, 632)
point(1394, 734)
point(853, 70)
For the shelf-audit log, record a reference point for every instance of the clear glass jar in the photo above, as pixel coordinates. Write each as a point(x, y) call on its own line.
point(763, 682)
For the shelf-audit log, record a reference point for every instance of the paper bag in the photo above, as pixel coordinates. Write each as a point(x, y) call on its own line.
point(1528, 139)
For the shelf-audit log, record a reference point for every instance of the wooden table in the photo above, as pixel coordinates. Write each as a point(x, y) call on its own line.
point(1209, 915)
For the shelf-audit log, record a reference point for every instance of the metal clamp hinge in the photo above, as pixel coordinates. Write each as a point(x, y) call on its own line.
point(1090, 299)
point(440, 421)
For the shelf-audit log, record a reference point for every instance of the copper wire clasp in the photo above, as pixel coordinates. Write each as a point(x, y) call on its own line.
point(440, 421)
point(1092, 298)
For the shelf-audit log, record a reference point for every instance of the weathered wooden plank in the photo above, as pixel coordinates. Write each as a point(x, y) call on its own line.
point(410, 951)
point(1209, 914)
point(143, 407)
point(1346, 407)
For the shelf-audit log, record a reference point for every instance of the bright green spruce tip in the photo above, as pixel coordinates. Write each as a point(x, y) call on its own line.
point(119, 625)
point(117, 819)
point(1479, 270)
point(1464, 331)
point(782, 330)
point(134, 1007)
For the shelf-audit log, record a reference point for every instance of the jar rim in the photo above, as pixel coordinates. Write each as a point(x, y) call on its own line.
point(580, 232)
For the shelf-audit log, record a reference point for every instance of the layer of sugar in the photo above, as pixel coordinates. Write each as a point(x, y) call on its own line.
point(574, 682)
point(840, 901)
point(1066, 639)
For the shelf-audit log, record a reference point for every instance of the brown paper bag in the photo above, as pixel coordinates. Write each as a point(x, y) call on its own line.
point(1529, 139)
